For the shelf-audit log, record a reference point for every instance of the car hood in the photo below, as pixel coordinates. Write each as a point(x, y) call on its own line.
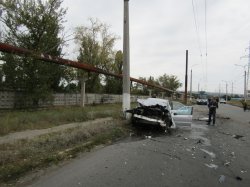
point(153, 102)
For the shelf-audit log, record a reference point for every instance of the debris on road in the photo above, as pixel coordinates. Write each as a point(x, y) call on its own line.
point(243, 171)
point(222, 178)
point(238, 178)
point(153, 139)
point(237, 136)
point(211, 166)
point(211, 154)
point(185, 138)
point(232, 154)
point(200, 141)
point(226, 163)
point(222, 117)
point(201, 119)
point(226, 133)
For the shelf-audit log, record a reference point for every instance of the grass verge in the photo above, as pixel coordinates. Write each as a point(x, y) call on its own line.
point(26, 155)
point(14, 121)
point(238, 103)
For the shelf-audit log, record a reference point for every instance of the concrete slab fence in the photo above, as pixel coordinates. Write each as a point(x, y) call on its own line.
point(9, 100)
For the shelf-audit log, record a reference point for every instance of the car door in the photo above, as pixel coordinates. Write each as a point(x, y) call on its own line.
point(183, 116)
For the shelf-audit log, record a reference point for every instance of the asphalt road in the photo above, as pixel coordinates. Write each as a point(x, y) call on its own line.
point(198, 156)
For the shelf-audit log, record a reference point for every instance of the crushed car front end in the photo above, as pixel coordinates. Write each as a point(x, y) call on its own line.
point(153, 111)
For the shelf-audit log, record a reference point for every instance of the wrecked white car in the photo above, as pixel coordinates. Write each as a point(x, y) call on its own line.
point(161, 112)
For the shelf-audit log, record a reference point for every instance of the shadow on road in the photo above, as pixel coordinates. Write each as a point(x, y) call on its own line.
point(141, 131)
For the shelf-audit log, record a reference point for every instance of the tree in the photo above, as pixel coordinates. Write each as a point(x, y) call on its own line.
point(138, 88)
point(113, 84)
point(96, 48)
point(166, 81)
point(169, 81)
point(152, 80)
point(35, 25)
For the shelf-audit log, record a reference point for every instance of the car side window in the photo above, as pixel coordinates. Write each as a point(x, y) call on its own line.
point(176, 105)
point(186, 110)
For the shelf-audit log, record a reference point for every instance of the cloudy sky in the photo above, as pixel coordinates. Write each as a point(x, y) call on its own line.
point(162, 30)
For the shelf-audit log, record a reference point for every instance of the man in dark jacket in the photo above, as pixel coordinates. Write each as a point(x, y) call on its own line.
point(212, 105)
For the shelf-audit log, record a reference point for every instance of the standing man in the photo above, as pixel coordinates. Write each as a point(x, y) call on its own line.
point(212, 105)
point(244, 103)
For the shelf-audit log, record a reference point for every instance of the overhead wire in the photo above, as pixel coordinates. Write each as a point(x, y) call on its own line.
point(197, 30)
point(196, 27)
point(206, 39)
point(206, 24)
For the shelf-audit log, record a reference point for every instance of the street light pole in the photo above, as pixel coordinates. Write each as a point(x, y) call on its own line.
point(232, 89)
point(248, 71)
point(226, 89)
point(219, 91)
point(245, 85)
point(186, 78)
point(245, 80)
point(191, 80)
point(126, 60)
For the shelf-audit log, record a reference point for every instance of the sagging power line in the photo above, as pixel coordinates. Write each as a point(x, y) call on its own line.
point(196, 27)
point(199, 38)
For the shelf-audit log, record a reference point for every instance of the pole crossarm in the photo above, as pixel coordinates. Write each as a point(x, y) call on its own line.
point(6, 48)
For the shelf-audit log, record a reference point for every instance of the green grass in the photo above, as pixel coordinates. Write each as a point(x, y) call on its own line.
point(23, 156)
point(26, 155)
point(14, 121)
point(238, 103)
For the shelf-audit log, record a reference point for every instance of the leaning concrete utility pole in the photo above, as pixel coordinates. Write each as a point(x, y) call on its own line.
point(6, 48)
point(186, 78)
point(126, 60)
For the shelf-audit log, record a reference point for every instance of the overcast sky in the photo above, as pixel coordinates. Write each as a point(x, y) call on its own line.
point(162, 30)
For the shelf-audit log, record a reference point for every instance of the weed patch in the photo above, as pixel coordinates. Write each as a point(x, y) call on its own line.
point(26, 155)
point(14, 121)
